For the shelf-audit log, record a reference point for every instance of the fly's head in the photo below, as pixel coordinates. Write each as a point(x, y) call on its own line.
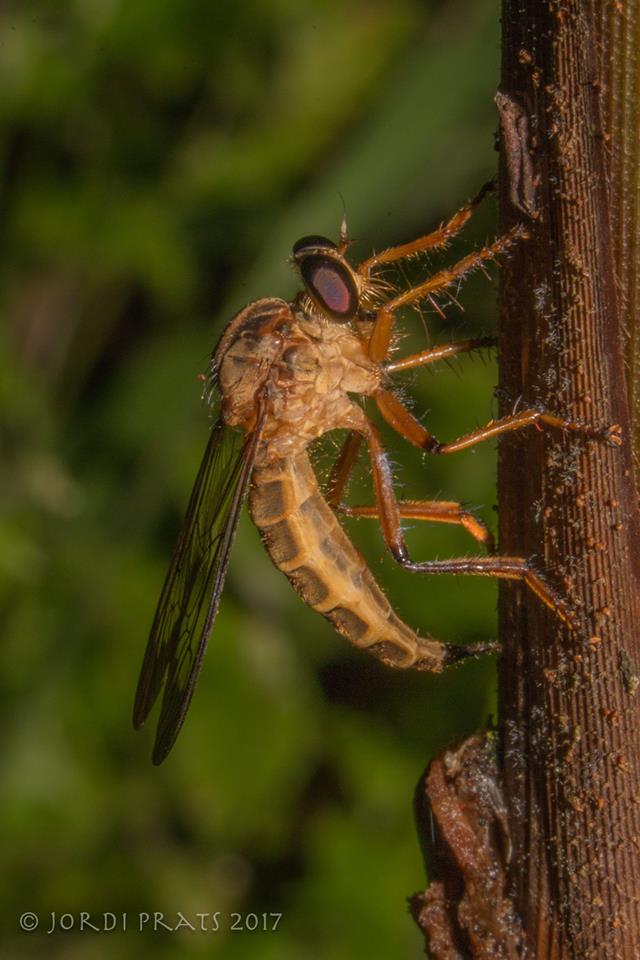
point(334, 287)
point(329, 279)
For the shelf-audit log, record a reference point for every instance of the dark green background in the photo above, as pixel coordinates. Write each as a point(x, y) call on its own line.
point(158, 161)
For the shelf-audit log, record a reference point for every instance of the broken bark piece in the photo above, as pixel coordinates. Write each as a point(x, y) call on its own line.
point(465, 913)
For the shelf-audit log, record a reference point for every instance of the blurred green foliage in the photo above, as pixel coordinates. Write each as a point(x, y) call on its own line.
point(158, 161)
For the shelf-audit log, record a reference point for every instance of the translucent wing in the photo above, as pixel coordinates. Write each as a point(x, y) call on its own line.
point(191, 593)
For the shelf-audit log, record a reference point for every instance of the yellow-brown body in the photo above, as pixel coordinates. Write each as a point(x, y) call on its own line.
point(306, 366)
point(287, 373)
point(307, 542)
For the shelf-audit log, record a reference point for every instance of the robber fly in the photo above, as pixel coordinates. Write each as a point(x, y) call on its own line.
point(285, 373)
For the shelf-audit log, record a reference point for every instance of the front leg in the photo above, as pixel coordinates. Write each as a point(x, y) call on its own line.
point(431, 241)
point(380, 340)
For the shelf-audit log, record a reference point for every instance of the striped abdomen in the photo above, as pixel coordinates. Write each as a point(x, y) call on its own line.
point(305, 540)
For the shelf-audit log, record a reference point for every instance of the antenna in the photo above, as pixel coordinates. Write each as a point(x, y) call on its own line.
point(344, 236)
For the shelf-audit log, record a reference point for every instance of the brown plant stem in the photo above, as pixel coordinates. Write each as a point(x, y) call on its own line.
point(569, 714)
point(619, 71)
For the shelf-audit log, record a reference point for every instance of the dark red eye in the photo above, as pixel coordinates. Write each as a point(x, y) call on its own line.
point(328, 280)
point(331, 284)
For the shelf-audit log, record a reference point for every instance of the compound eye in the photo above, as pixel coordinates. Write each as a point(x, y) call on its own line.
point(331, 284)
point(313, 242)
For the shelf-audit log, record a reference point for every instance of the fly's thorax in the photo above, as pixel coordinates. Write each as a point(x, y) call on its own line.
point(310, 365)
point(341, 357)
point(321, 365)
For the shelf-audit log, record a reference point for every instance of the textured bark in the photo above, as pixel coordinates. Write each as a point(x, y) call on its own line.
point(618, 34)
point(569, 712)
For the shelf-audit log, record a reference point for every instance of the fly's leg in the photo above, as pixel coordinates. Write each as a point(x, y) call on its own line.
point(444, 352)
point(343, 468)
point(510, 568)
point(502, 568)
point(436, 511)
point(380, 339)
point(404, 423)
point(431, 241)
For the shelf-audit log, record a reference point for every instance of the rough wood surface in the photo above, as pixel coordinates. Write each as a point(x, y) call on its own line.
point(569, 704)
point(618, 50)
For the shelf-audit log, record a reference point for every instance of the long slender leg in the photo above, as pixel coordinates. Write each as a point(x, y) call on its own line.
point(512, 568)
point(397, 415)
point(436, 511)
point(386, 502)
point(431, 241)
point(438, 353)
point(505, 568)
point(343, 468)
point(445, 278)
point(382, 329)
